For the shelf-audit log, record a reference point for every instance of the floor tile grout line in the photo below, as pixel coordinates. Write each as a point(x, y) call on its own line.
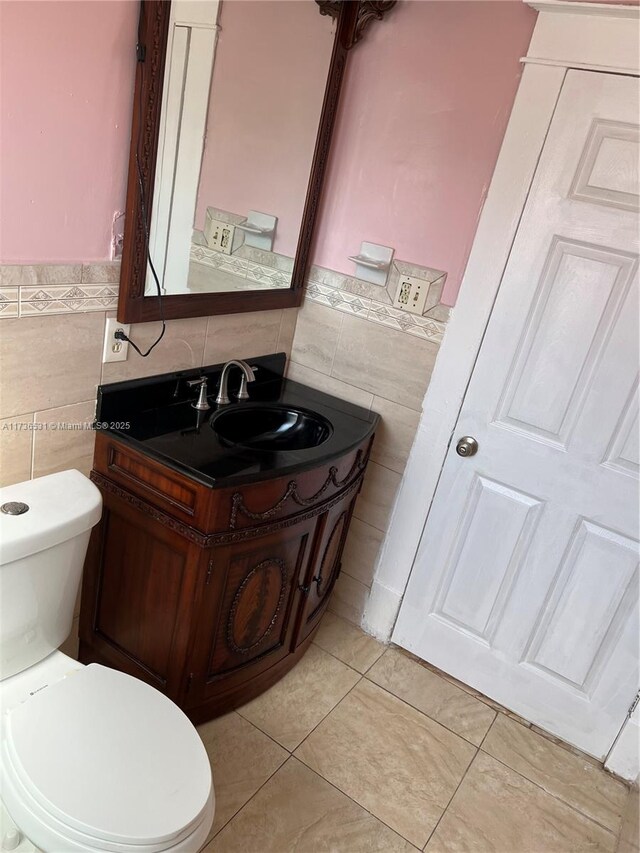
point(365, 675)
point(477, 747)
point(466, 688)
point(549, 793)
point(291, 751)
point(446, 808)
point(428, 716)
point(471, 692)
point(292, 757)
point(335, 657)
point(538, 785)
point(258, 729)
point(506, 712)
point(349, 797)
point(291, 754)
point(307, 736)
point(361, 674)
point(271, 775)
point(486, 734)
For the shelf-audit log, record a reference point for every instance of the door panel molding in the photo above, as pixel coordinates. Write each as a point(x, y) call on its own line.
point(621, 164)
point(556, 307)
point(565, 624)
point(468, 585)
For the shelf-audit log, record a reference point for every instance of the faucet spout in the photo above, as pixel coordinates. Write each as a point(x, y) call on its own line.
point(247, 376)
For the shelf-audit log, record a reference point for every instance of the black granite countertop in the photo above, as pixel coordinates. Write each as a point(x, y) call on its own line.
point(155, 415)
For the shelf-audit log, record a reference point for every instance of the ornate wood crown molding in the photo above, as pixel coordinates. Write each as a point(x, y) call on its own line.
point(368, 10)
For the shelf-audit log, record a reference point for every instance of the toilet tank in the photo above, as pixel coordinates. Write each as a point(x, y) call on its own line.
point(42, 553)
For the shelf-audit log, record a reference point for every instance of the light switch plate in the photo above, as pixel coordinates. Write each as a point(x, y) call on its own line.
point(113, 349)
point(412, 294)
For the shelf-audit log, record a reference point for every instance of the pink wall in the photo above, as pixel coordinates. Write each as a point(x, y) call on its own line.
point(424, 108)
point(66, 88)
point(270, 66)
point(426, 101)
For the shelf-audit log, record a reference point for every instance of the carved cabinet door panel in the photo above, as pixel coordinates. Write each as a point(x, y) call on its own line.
point(137, 596)
point(249, 609)
point(324, 569)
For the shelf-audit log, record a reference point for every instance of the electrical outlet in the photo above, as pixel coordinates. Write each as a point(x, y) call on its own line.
point(114, 350)
point(412, 294)
point(219, 235)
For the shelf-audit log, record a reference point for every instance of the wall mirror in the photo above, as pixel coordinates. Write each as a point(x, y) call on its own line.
point(234, 108)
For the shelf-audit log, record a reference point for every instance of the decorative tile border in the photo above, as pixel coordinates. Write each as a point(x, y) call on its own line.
point(385, 294)
point(373, 303)
point(259, 275)
point(9, 301)
point(341, 292)
point(48, 289)
point(30, 290)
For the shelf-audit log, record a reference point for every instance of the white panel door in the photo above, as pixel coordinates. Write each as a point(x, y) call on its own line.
point(525, 585)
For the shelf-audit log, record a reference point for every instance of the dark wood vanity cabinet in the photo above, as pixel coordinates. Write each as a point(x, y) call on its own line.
point(324, 569)
point(211, 594)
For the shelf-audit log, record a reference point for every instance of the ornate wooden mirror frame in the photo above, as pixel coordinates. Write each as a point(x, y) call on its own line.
point(353, 17)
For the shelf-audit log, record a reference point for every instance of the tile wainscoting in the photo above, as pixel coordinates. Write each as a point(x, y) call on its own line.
point(51, 361)
point(351, 342)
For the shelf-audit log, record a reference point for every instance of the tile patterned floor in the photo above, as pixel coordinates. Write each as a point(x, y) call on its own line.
point(361, 749)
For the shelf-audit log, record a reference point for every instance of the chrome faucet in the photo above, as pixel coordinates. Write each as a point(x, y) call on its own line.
point(247, 376)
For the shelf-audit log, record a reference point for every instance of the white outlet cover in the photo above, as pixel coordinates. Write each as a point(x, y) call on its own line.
point(219, 235)
point(411, 295)
point(113, 349)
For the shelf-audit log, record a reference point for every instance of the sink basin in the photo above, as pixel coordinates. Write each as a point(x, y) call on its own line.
point(275, 428)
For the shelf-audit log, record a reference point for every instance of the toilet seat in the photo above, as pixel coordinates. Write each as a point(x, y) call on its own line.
point(68, 748)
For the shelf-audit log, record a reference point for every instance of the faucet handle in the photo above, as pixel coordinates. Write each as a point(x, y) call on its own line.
point(200, 381)
point(202, 404)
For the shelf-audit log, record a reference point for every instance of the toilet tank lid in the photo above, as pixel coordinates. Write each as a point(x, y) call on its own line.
point(61, 506)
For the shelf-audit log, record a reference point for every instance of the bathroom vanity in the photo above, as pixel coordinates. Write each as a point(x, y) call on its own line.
point(222, 531)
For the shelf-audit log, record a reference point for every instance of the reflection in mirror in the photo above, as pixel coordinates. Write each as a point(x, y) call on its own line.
point(242, 99)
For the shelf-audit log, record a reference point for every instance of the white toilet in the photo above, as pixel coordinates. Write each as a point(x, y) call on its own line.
point(90, 759)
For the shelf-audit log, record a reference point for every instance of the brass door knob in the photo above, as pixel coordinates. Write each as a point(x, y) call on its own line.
point(467, 446)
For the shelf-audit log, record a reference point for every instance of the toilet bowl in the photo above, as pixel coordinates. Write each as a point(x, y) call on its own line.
point(91, 759)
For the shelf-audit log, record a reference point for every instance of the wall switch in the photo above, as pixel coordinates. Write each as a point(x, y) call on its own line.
point(114, 350)
point(412, 294)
